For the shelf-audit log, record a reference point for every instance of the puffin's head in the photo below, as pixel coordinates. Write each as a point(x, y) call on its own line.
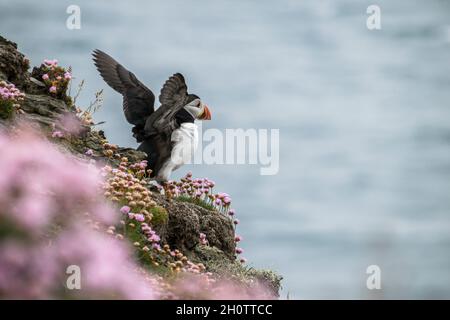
point(197, 108)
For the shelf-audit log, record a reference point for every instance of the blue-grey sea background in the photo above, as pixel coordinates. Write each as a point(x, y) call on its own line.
point(364, 119)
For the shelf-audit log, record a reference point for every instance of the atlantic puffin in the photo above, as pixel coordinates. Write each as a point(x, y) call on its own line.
point(168, 135)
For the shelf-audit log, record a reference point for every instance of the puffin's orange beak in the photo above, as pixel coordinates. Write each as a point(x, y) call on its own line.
point(206, 115)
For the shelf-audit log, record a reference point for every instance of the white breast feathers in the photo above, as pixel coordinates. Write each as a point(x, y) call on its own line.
point(185, 142)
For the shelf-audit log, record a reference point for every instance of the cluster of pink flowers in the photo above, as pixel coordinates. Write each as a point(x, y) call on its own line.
point(201, 190)
point(55, 77)
point(8, 91)
point(10, 98)
point(139, 168)
point(238, 250)
point(151, 235)
point(43, 188)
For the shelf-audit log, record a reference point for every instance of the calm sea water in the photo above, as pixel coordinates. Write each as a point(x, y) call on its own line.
point(364, 119)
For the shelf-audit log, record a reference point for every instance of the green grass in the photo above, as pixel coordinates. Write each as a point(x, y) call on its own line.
point(6, 109)
point(198, 202)
point(159, 215)
point(220, 264)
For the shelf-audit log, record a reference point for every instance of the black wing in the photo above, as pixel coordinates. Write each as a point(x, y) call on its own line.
point(173, 97)
point(174, 90)
point(138, 100)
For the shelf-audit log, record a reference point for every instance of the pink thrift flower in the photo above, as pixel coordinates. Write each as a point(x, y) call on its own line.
point(125, 209)
point(154, 238)
point(71, 124)
point(57, 134)
point(236, 221)
point(52, 89)
point(223, 195)
point(45, 77)
point(51, 63)
point(139, 217)
point(89, 152)
point(239, 250)
point(231, 212)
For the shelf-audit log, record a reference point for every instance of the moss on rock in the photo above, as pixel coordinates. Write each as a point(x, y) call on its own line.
point(159, 215)
point(218, 263)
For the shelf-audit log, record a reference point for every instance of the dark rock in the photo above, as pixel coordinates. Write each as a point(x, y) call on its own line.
point(13, 65)
point(44, 105)
point(186, 222)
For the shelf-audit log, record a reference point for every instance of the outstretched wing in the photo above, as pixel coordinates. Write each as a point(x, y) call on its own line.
point(174, 90)
point(173, 97)
point(138, 100)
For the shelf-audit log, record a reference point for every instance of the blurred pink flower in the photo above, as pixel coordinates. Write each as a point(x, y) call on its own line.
point(223, 195)
point(70, 124)
point(43, 186)
point(42, 183)
point(93, 253)
point(49, 62)
point(57, 134)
